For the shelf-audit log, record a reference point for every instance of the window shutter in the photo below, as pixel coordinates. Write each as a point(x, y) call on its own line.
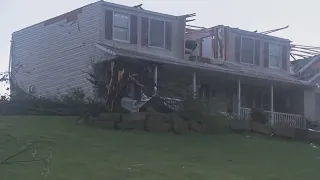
point(144, 31)
point(226, 42)
point(257, 52)
point(266, 54)
point(285, 57)
point(215, 41)
point(237, 48)
point(168, 38)
point(133, 29)
point(109, 24)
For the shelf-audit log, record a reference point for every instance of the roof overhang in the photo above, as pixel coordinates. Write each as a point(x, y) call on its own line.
point(122, 52)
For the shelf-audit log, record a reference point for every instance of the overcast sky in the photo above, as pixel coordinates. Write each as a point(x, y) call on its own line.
point(261, 15)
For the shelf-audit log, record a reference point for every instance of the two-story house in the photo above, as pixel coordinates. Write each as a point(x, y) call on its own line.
point(233, 69)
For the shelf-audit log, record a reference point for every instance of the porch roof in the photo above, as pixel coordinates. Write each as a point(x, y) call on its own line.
point(225, 67)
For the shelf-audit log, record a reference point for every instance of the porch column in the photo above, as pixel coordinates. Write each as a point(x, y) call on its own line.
point(155, 88)
point(194, 85)
point(239, 97)
point(271, 105)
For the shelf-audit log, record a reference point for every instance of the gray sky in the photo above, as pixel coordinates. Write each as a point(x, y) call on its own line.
point(260, 15)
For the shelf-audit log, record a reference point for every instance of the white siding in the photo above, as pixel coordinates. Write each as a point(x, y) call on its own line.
point(55, 57)
point(309, 104)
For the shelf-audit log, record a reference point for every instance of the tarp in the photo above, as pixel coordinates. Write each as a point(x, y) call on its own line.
point(134, 105)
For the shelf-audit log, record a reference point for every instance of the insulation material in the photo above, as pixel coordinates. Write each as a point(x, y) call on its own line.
point(207, 47)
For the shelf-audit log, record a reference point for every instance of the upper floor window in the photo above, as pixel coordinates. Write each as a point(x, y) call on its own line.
point(121, 27)
point(247, 50)
point(157, 33)
point(275, 58)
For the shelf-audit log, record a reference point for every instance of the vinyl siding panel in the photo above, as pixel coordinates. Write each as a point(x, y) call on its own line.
point(53, 58)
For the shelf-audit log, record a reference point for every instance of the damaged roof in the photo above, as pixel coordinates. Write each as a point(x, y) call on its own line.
point(300, 63)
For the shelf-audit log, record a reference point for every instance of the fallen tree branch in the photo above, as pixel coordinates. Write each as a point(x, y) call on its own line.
point(23, 161)
point(17, 154)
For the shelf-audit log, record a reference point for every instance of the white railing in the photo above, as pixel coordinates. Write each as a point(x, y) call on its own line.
point(245, 113)
point(292, 120)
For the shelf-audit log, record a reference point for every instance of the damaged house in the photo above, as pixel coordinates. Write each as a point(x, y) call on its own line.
point(232, 69)
point(308, 69)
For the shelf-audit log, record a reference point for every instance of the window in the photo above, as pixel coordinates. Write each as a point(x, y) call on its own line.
point(274, 56)
point(121, 24)
point(157, 33)
point(247, 50)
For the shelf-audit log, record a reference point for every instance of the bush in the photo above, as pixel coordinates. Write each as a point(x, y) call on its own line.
point(194, 109)
point(201, 117)
point(216, 122)
point(73, 103)
point(258, 115)
point(313, 124)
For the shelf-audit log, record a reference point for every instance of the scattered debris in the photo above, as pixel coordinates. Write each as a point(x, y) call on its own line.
point(313, 145)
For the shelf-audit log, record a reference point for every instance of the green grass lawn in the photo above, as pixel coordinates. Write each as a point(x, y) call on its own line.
point(84, 153)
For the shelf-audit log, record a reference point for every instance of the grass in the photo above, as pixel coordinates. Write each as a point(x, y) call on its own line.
point(82, 153)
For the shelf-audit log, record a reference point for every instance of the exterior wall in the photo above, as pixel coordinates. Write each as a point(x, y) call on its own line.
point(317, 107)
point(219, 101)
point(309, 104)
point(230, 54)
point(296, 100)
point(52, 56)
point(178, 30)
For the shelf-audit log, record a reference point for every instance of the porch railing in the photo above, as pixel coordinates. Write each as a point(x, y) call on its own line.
point(277, 118)
point(245, 113)
point(292, 120)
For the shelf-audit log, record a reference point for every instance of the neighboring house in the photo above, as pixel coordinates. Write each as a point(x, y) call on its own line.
point(308, 69)
point(235, 70)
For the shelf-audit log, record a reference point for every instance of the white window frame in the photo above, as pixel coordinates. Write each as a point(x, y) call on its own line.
point(113, 27)
point(164, 33)
point(280, 56)
point(253, 54)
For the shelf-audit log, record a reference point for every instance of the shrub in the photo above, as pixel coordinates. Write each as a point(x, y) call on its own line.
point(72, 103)
point(258, 115)
point(194, 109)
point(201, 117)
point(216, 122)
point(313, 124)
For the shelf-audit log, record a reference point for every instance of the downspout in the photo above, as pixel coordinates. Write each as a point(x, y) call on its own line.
point(10, 58)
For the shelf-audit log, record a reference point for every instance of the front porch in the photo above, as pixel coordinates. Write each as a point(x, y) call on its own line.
point(236, 95)
point(226, 88)
point(283, 103)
